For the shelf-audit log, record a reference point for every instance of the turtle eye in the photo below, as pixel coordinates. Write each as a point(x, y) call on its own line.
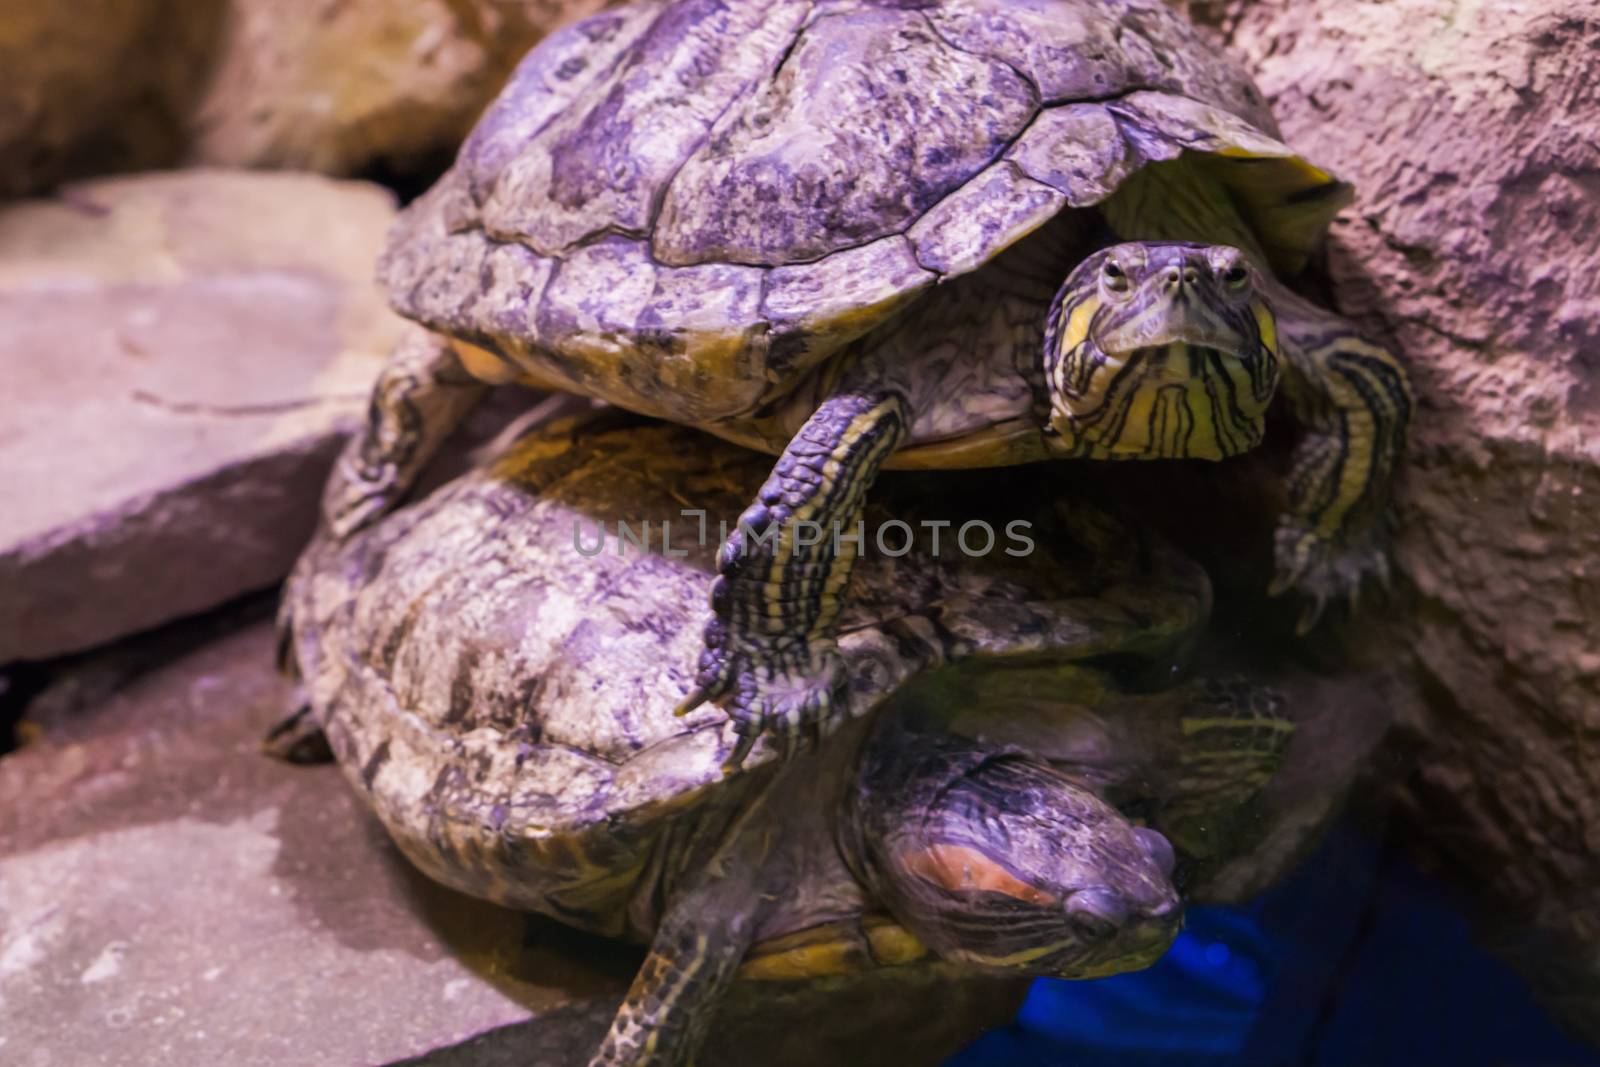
point(1236, 276)
point(1116, 280)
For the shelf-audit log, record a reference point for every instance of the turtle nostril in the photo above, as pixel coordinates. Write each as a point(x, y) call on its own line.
point(1170, 278)
point(1165, 908)
point(1191, 276)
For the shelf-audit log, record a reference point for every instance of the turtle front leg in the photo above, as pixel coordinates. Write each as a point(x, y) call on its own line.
point(769, 656)
point(663, 1020)
point(1353, 401)
point(422, 395)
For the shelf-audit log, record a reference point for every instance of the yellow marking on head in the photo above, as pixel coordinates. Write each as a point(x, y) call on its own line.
point(1267, 323)
point(1077, 324)
point(958, 868)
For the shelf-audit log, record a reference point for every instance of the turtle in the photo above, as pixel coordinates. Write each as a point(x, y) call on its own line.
point(863, 234)
point(495, 668)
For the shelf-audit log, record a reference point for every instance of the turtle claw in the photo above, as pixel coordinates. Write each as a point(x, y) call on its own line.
point(796, 699)
point(1325, 571)
point(1309, 615)
point(741, 749)
point(697, 697)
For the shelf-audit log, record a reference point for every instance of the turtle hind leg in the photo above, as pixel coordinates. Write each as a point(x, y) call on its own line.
point(298, 739)
point(1234, 737)
point(1353, 401)
point(664, 1017)
point(422, 394)
point(420, 397)
point(769, 657)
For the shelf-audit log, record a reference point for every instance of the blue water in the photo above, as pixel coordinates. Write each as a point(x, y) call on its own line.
point(1356, 961)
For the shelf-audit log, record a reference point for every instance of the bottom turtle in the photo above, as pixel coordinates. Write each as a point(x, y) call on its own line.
point(496, 668)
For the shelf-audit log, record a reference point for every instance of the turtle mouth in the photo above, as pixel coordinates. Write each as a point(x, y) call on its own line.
point(1112, 935)
point(1176, 400)
point(1102, 934)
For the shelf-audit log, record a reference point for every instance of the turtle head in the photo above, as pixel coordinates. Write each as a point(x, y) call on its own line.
point(1160, 350)
point(1004, 863)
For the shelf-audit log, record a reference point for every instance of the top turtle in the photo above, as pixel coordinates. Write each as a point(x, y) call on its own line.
point(861, 233)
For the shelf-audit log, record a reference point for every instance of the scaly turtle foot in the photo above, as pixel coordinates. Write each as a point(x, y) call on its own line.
point(1323, 569)
point(798, 692)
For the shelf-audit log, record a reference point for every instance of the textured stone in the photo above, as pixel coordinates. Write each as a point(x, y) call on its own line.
point(183, 354)
point(95, 85)
point(340, 87)
point(1469, 131)
point(168, 894)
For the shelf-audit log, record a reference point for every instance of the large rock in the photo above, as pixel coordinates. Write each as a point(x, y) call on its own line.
point(354, 87)
point(1470, 132)
point(182, 355)
point(342, 88)
point(96, 85)
point(170, 895)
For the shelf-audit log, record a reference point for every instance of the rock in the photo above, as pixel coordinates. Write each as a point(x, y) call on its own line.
point(342, 88)
point(1469, 132)
point(345, 88)
point(183, 354)
point(62, 109)
point(170, 895)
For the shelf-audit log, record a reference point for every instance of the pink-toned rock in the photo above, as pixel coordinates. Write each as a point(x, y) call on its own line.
point(1470, 131)
point(96, 85)
point(338, 86)
point(342, 87)
point(183, 353)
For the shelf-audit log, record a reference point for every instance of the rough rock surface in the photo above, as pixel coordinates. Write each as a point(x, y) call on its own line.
point(1469, 130)
point(63, 110)
point(183, 354)
point(170, 895)
point(344, 88)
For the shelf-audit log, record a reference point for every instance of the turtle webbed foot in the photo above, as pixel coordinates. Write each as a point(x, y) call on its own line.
point(796, 692)
point(1323, 569)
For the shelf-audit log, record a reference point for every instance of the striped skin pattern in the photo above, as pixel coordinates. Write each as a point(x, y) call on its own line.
point(663, 1019)
point(1161, 350)
point(1000, 861)
point(769, 653)
point(1235, 736)
point(1354, 400)
point(1351, 399)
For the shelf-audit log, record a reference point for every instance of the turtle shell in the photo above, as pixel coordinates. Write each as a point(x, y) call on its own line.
point(502, 690)
point(682, 207)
